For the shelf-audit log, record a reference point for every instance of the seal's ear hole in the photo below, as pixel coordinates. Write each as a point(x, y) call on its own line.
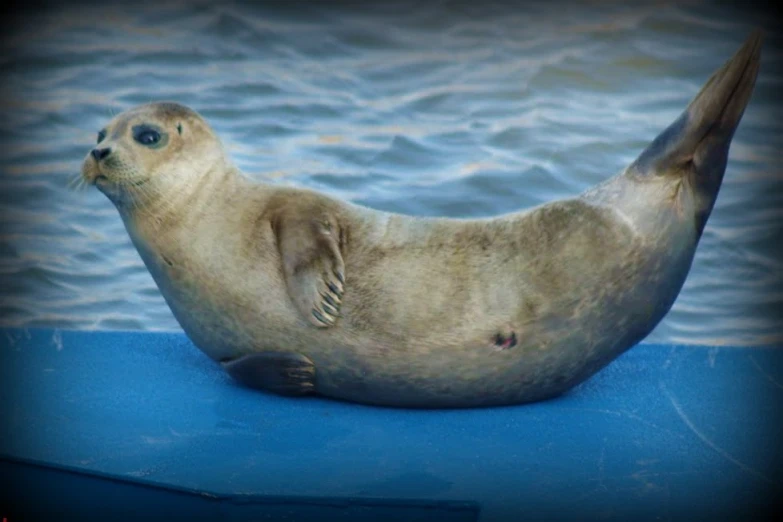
point(179, 128)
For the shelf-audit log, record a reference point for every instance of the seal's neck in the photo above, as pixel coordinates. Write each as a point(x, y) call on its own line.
point(173, 202)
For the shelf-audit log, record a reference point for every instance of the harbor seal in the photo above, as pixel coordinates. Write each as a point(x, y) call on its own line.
point(298, 293)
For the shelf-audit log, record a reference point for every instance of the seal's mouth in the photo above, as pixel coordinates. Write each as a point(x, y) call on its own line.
point(92, 175)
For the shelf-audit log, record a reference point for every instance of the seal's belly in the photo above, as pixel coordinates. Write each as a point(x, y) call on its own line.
point(552, 338)
point(550, 355)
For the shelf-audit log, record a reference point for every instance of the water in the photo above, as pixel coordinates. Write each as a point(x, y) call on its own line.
point(454, 109)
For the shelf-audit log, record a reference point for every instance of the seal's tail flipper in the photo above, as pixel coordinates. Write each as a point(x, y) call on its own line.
point(700, 137)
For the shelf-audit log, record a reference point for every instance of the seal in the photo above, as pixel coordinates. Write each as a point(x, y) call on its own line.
point(297, 293)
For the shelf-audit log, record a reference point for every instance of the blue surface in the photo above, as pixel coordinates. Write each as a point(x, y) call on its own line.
point(141, 425)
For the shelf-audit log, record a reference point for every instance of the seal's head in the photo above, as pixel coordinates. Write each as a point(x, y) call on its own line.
point(151, 152)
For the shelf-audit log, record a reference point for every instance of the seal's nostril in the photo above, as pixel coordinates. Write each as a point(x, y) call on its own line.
point(99, 154)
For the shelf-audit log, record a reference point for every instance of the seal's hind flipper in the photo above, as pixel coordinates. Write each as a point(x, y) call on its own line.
point(277, 372)
point(313, 267)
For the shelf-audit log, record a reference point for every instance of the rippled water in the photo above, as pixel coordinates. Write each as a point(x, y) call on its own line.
point(454, 109)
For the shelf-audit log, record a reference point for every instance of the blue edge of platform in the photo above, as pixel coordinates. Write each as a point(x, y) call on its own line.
point(143, 426)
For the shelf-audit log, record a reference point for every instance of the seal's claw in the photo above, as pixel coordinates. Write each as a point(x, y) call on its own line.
point(331, 301)
point(326, 310)
point(323, 318)
point(338, 291)
point(278, 372)
point(301, 375)
point(330, 310)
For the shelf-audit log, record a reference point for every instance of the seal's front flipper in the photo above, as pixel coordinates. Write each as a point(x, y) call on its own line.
point(277, 372)
point(313, 267)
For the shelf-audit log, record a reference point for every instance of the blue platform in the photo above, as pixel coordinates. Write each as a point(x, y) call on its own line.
point(143, 426)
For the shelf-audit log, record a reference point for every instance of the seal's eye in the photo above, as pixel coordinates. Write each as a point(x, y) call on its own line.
point(148, 137)
point(101, 136)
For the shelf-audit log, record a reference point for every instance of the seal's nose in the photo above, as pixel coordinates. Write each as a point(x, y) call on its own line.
point(99, 154)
